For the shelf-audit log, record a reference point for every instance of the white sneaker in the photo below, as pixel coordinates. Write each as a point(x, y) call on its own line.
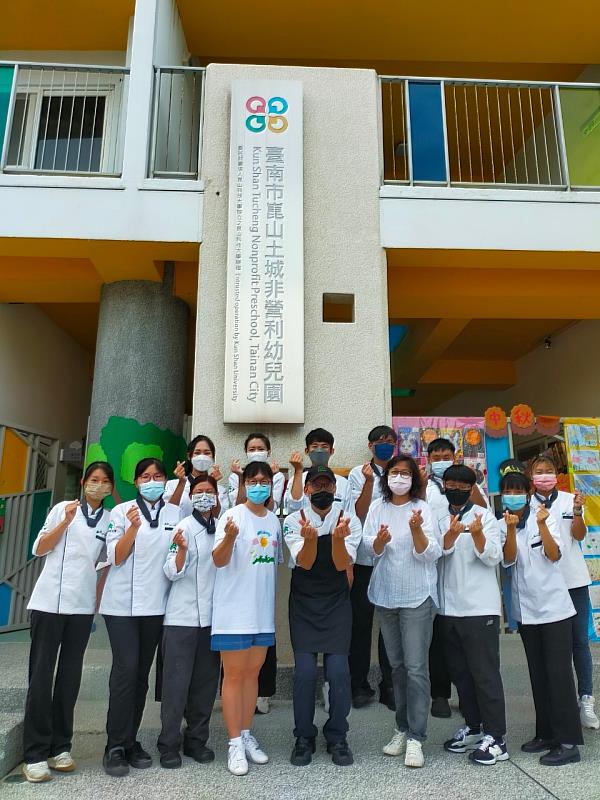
point(325, 691)
point(237, 763)
point(62, 763)
point(586, 713)
point(38, 772)
point(253, 751)
point(397, 745)
point(262, 705)
point(414, 754)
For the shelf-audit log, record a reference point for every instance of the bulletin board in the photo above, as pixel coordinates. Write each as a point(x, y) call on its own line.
point(466, 433)
point(582, 441)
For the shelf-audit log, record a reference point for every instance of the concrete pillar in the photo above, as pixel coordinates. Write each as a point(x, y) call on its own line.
point(347, 366)
point(138, 396)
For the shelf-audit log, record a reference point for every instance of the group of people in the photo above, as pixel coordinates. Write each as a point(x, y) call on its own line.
point(191, 573)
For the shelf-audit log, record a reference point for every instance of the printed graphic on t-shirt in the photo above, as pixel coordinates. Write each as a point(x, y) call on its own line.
point(259, 550)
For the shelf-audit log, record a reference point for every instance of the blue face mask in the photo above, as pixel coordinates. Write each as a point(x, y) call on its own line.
point(152, 490)
point(258, 494)
point(514, 502)
point(439, 467)
point(384, 451)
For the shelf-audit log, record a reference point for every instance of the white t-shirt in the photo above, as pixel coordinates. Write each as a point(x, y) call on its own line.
point(244, 593)
point(185, 504)
point(572, 562)
point(278, 484)
point(67, 584)
point(402, 578)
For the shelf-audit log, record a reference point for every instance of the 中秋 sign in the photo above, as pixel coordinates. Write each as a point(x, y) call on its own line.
point(264, 352)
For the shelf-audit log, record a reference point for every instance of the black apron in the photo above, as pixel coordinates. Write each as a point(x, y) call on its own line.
point(320, 609)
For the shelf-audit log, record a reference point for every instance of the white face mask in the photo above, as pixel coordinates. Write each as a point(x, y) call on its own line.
point(258, 455)
point(399, 484)
point(202, 463)
point(203, 501)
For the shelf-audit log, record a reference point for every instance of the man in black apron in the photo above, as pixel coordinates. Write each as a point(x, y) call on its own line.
point(322, 544)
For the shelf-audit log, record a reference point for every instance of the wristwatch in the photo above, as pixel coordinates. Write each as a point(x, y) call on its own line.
point(578, 513)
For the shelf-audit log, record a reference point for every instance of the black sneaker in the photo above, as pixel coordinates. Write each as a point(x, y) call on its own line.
point(489, 751)
point(170, 760)
point(115, 762)
point(138, 757)
point(362, 698)
point(341, 755)
point(302, 752)
point(464, 739)
point(200, 753)
point(537, 745)
point(440, 707)
point(560, 755)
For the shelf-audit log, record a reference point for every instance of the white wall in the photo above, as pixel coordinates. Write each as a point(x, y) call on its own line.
point(347, 372)
point(45, 376)
point(170, 47)
point(563, 380)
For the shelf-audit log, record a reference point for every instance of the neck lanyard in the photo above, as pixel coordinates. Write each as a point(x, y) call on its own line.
point(547, 501)
point(92, 520)
point(376, 469)
point(439, 483)
point(146, 513)
point(208, 525)
point(523, 521)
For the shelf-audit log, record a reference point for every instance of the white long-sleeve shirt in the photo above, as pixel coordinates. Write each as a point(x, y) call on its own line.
point(343, 495)
point(402, 578)
point(467, 582)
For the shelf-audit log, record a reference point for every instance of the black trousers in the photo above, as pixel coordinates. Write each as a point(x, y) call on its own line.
point(549, 651)
point(439, 677)
point(50, 704)
point(472, 651)
point(337, 673)
point(190, 682)
point(133, 641)
point(267, 677)
point(362, 634)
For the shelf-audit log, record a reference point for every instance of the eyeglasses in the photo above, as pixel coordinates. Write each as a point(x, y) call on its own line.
point(401, 474)
point(258, 483)
point(145, 477)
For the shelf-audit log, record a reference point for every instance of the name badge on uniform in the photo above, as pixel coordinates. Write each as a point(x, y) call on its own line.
point(566, 515)
point(169, 527)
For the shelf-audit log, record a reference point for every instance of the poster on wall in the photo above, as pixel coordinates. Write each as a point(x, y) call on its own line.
point(264, 350)
point(582, 440)
point(467, 434)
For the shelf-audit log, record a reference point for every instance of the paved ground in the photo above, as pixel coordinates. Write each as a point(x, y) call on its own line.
point(373, 775)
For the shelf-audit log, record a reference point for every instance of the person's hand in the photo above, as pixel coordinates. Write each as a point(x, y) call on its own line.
point(307, 531)
point(296, 461)
point(542, 515)
point(215, 472)
point(236, 467)
point(383, 537)
point(231, 530)
point(274, 467)
point(416, 520)
point(342, 529)
point(179, 471)
point(423, 473)
point(456, 526)
point(367, 472)
point(71, 510)
point(133, 515)
point(578, 502)
point(180, 540)
point(511, 519)
point(476, 527)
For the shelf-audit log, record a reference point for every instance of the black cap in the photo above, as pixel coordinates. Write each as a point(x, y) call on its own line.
point(319, 472)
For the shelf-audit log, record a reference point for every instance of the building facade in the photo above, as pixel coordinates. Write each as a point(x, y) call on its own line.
point(449, 226)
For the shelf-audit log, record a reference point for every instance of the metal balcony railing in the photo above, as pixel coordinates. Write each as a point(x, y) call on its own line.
point(176, 123)
point(501, 134)
point(63, 119)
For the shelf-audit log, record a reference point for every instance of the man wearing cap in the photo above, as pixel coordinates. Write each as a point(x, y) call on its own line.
point(322, 544)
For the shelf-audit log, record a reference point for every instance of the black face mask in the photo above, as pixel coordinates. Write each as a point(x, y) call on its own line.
point(458, 497)
point(322, 500)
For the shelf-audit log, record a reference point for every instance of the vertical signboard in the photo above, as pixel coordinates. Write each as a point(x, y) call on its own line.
point(264, 353)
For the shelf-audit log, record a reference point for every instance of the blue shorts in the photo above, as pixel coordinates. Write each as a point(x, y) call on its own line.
point(241, 641)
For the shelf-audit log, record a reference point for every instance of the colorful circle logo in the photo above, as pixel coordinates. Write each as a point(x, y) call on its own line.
point(269, 114)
